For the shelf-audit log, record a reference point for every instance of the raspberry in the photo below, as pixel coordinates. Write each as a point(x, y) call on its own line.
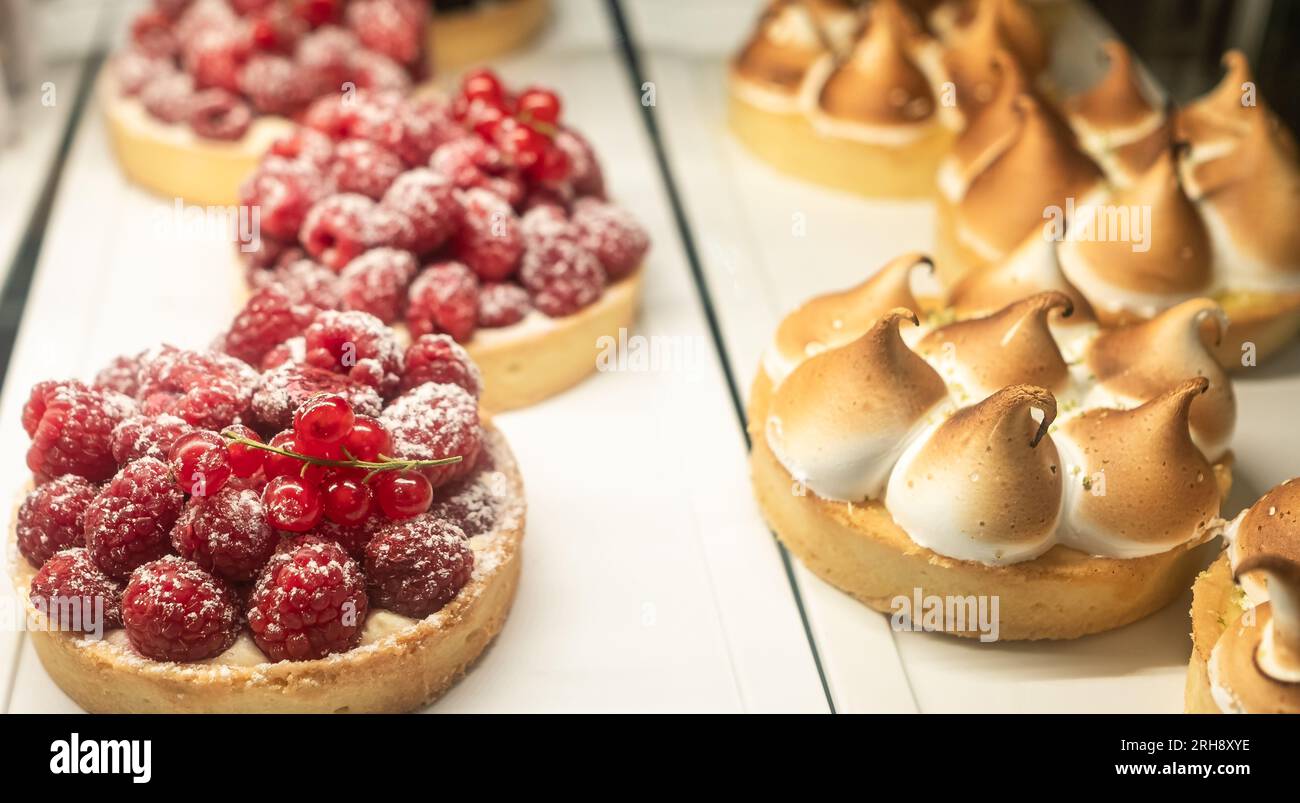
point(544, 223)
point(304, 281)
point(584, 168)
point(375, 72)
point(281, 391)
point(322, 56)
point(612, 234)
point(215, 58)
point(121, 375)
point(470, 162)
point(175, 611)
point(226, 534)
point(168, 97)
point(284, 190)
point(412, 128)
point(438, 358)
point(219, 114)
point(334, 231)
point(269, 318)
point(200, 16)
point(69, 587)
point(147, 436)
point(444, 298)
point(415, 567)
point(41, 393)
point(133, 69)
point(502, 304)
point(305, 145)
point(206, 388)
point(128, 522)
point(74, 431)
point(151, 34)
point(490, 241)
point(433, 421)
point(376, 282)
point(293, 350)
point(391, 27)
point(425, 199)
point(562, 277)
point(353, 538)
point(469, 504)
point(262, 254)
point(358, 345)
point(363, 167)
point(274, 85)
point(310, 601)
point(52, 517)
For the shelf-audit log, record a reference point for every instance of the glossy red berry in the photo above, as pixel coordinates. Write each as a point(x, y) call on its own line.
point(403, 494)
point(278, 465)
point(346, 499)
point(292, 504)
point(541, 105)
point(200, 463)
point(481, 85)
point(552, 166)
point(524, 145)
point(325, 418)
point(367, 440)
point(244, 460)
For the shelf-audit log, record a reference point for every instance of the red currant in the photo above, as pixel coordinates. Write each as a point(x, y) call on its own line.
point(346, 499)
point(541, 105)
point(244, 460)
point(292, 504)
point(200, 462)
point(403, 494)
point(367, 440)
point(278, 465)
point(487, 119)
point(325, 418)
point(552, 166)
point(481, 85)
point(523, 143)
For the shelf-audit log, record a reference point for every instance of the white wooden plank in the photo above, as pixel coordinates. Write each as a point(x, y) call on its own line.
point(758, 266)
point(642, 589)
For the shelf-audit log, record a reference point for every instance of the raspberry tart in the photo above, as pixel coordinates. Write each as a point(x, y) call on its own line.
point(1246, 614)
point(204, 87)
point(1080, 466)
point(327, 535)
point(483, 218)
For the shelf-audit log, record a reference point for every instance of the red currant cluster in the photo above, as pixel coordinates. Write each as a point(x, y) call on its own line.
point(333, 464)
point(523, 127)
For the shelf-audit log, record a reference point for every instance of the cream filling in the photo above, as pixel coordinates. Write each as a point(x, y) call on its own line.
point(850, 469)
point(1223, 696)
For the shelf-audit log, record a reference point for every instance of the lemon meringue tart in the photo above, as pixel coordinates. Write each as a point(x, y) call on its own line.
point(859, 112)
point(1065, 471)
point(203, 88)
point(1246, 614)
point(202, 537)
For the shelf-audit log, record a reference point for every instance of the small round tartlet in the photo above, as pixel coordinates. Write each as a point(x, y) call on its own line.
point(480, 216)
point(1245, 609)
point(461, 34)
point(340, 532)
point(1007, 456)
point(203, 87)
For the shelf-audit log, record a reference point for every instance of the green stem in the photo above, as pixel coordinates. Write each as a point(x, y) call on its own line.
point(386, 464)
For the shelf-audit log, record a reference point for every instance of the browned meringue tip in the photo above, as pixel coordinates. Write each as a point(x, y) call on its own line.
point(1277, 656)
point(1116, 100)
point(1270, 526)
point(1021, 399)
point(778, 63)
point(879, 83)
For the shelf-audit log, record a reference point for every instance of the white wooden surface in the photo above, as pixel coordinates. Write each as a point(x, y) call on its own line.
point(648, 584)
point(758, 267)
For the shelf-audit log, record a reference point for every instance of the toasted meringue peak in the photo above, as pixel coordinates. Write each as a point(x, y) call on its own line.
point(1278, 654)
point(996, 25)
point(1136, 484)
point(1271, 526)
point(990, 128)
point(997, 473)
point(785, 43)
point(839, 21)
point(1138, 362)
point(1122, 270)
point(1031, 268)
point(834, 319)
point(839, 421)
point(1126, 163)
point(879, 84)
point(1251, 200)
point(1116, 101)
point(1041, 168)
point(1012, 346)
point(1219, 110)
